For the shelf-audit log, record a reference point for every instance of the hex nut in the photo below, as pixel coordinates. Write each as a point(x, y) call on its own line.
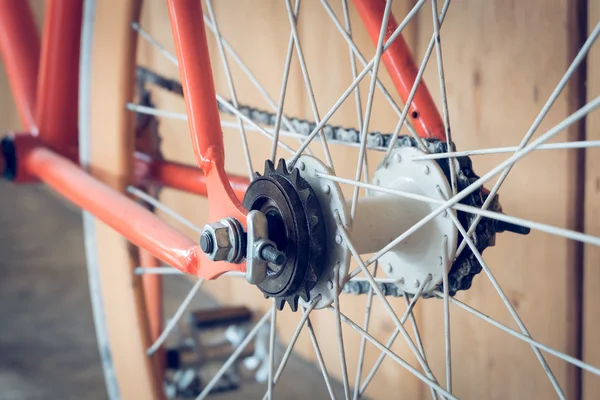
point(222, 244)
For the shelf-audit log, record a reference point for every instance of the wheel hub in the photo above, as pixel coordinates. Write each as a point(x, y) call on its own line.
point(382, 217)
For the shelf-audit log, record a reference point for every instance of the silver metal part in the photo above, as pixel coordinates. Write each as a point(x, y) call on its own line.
point(226, 238)
point(331, 200)
point(257, 238)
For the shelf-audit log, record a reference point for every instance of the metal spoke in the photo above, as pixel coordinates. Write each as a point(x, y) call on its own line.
point(365, 127)
point(363, 340)
point(395, 357)
point(157, 271)
point(553, 230)
point(272, 349)
point(536, 123)
point(158, 46)
point(349, 90)
point(340, 334)
point(447, 342)
point(320, 360)
point(157, 204)
point(234, 356)
point(283, 90)
point(506, 302)
point(175, 319)
point(418, 339)
point(232, 90)
point(354, 49)
point(440, 64)
point(348, 32)
point(156, 111)
point(413, 90)
point(290, 348)
point(394, 335)
point(357, 97)
point(167, 270)
point(307, 82)
point(528, 339)
point(583, 144)
point(386, 304)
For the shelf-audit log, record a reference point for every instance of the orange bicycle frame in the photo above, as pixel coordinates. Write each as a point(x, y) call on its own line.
point(41, 76)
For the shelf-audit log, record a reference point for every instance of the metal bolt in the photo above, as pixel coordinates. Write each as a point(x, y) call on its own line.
point(417, 283)
point(207, 243)
point(338, 239)
point(330, 284)
point(327, 189)
point(397, 158)
point(301, 166)
point(270, 254)
point(426, 170)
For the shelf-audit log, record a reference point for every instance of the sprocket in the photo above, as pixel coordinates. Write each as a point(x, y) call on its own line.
point(296, 225)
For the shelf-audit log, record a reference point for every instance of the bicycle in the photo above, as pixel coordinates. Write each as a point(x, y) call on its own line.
point(289, 229)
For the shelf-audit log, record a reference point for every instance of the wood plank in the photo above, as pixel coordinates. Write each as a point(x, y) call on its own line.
point(591, 274)
point(502, 61)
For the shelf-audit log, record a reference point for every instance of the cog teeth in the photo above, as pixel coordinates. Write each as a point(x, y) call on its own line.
point(305, 195)
point(266, 295)
point(296, 176)
point(279, 303)
point(282, 166)
point(293, 302)
point(256, 175)
point(310, 274)
point(305, 293)
point(269, 167)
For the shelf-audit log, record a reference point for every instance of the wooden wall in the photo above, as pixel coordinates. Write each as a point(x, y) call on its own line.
point(591, 276)
point(502, 61)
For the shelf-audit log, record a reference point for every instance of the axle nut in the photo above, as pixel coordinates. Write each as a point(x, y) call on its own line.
point(218, 245)
point(224, 241)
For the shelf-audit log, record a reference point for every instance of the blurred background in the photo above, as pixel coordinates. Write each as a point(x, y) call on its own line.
point(502, 61)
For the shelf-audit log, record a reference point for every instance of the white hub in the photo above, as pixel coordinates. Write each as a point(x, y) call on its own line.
point(381, 218)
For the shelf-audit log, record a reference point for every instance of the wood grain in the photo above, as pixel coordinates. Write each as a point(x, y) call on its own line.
point(591, 274)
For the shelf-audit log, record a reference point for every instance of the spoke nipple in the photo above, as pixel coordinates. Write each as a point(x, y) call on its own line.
point(206, 242)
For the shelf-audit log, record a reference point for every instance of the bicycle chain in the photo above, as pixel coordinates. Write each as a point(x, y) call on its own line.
point(465, 265)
